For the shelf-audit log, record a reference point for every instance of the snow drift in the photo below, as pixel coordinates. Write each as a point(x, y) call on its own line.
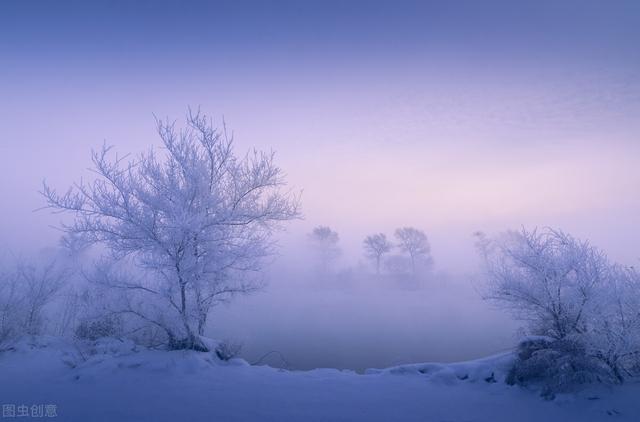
point(113, 380)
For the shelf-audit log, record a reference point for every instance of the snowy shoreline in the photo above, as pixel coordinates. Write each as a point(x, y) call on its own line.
point(113, 380)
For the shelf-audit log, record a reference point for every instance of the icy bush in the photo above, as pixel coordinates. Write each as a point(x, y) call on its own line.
point(107, 326)
point(556, 366)
point(569, 291)
point(25, 292)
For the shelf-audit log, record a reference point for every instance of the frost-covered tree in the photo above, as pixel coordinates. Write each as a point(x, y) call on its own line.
point(569, 292)
point(548, 278)
point(41, 285)
point(614, 334)
point(25, 291)
point(325, 241)
point(10, 306)
point(375, 247)
point(414, 242)
point(191, 223)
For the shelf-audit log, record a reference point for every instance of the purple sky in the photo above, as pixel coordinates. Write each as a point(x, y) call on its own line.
point(451, 117)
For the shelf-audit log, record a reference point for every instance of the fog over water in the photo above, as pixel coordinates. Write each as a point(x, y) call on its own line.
point(363, 324)
point(380, 124)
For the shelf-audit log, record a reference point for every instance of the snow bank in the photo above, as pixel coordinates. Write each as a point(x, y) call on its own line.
point(103, 357)
point(113, 380)
point(491, 369)
point(44, 354)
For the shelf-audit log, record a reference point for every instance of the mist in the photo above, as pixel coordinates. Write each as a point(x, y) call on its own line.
point(383, 169)
point(423, 131)
point(322, 211)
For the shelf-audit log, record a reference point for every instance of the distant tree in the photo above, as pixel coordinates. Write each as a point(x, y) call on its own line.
point(375, 247)
point(414, 242)
point(325, 242)
point(482, 244)
point(25, 292)
point(11, 310)
point(192, 225)
point(41, 284)
point(398, 264)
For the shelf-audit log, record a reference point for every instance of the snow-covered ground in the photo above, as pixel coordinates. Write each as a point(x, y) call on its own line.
point(117, 381)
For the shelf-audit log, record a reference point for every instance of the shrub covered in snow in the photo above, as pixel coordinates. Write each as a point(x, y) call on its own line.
point(567, 290)
point(556, 366)
point(106, 326)
point(26, 290)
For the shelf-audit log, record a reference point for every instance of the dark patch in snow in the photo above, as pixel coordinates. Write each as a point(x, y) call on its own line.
point(491, 378)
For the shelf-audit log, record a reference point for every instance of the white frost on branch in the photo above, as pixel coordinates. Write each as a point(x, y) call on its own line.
point(568, 290)
point(194, 221)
